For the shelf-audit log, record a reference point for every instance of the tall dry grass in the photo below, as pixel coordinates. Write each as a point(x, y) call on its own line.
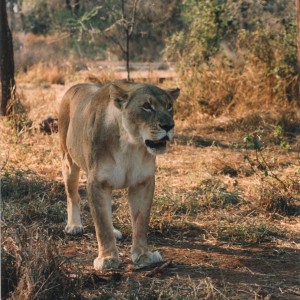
point(33, 268)
point(31, 49)
point(45, 73)
point(219, 88)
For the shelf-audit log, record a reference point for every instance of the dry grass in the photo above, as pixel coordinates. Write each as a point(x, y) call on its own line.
point(226, 226)
point(38, 270)
point(33, 49)
point(276, 198)
point(44, 74)
point(221, 89)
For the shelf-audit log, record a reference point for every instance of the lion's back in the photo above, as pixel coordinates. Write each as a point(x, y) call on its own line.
point(74, 100)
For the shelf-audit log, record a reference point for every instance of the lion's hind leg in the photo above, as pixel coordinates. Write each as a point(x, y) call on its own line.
point(71, 175)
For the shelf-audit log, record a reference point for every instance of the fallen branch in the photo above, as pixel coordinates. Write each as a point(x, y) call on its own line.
point(159, 269)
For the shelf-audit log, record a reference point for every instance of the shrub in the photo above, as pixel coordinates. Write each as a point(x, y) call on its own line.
point(232, 58)
point(247, 234)
point(34, 269)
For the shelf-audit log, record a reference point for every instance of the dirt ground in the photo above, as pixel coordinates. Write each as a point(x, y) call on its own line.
point(203, 266)
point(209, 221)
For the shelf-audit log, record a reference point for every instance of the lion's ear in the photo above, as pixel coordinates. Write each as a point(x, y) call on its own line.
point(174, 93)
point(118, 95)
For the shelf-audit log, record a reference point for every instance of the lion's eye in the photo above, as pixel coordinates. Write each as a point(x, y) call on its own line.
point(169, 107)
point(147, 106)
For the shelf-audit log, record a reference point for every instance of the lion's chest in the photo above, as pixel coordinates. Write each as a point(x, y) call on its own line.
point(126, 169)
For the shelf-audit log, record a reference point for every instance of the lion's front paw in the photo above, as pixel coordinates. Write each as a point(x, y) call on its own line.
point(74, 229)
point(101, 263)
point(146, 259)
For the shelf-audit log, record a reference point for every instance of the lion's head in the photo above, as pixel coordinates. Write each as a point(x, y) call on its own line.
point(147, 113)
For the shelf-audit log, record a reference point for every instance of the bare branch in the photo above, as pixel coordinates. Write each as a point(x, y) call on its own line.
point(118, 43)
point(159, 269)
point(123, 10)
point(133, 18)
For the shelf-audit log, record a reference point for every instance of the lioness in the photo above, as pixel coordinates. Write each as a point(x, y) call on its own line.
point(113, 132)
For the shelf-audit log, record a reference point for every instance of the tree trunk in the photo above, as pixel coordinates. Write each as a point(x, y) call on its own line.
point(7, 66)
point(298, 42)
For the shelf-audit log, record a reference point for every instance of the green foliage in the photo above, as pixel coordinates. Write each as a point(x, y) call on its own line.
point(183, 204)
point(26, 198)
point(224, 43)
point(279, 136)
point(100, 25)
point(246, 234)
point(253, 141)
point(216, 195)
point(61, 18)
point(206, 24)
point(259, 164)
point(85, 22)
point(16, 185)
point(38, 21)
point(277, 51)
point(277, 195)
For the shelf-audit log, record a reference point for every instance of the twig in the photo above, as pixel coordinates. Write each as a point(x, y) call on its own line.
point(159, 269)
point(133, 18)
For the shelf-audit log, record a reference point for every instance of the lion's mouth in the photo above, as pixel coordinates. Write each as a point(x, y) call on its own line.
point(157, 144)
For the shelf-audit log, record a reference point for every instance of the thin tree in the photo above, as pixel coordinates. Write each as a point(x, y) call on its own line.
point(7, 66)
point(125, 25)
point(128, 25)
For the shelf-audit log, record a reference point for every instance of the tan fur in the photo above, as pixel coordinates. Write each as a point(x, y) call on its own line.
point(113, 133)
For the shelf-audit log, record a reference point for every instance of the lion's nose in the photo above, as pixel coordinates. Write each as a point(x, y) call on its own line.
point(167, 127)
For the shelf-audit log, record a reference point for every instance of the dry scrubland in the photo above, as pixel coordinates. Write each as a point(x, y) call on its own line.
point(225, 213)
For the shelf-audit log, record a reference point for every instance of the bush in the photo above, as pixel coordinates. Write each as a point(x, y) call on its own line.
point(38, 21)
point(233, 57)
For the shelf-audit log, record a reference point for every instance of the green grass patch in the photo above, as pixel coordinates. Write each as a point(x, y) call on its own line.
point(26, 198)
point(247, 234)
point(215, 194)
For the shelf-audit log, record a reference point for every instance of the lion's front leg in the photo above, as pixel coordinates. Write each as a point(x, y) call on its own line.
point(140, 201)
point(99, 194)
